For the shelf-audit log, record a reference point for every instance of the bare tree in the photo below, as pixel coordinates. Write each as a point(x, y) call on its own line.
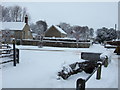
point(66, 27)
point(1, 13)
point(13, 13)
point(76, 33)
point(6, 36)
point(41, 27)
point(85, 33)
point(24, 12)
point(82, 32)
point(91, 32)
point(17, 13)
point(5, 14)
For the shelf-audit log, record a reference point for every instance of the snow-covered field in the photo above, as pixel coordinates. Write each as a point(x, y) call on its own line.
point(0, 77)
point(39, 66)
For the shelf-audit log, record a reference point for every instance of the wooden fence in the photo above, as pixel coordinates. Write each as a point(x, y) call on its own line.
point(9, 55)
point(80, 83)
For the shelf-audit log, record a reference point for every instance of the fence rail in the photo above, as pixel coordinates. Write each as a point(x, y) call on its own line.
point(12, 54)
point(80, 83)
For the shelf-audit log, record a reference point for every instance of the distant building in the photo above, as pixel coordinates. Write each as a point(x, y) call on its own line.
point(17, 30)
point(55, 31)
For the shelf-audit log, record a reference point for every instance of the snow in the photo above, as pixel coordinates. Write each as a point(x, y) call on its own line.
point(109, 76)
point(12, 25)
point(67, 42)
point(105, 55)
point(0, 79)
point(110, 45)
point(60, 30)
point(65, 38)
point(34, 35)
point(94, 48)
point(39, 66)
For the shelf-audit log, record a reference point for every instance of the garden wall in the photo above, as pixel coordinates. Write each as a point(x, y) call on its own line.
point(55, 43)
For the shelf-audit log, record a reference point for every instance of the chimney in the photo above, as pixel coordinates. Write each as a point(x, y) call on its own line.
point(26, 19)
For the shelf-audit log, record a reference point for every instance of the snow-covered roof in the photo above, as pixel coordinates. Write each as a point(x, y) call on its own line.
point(12, 25)
point(60, 30)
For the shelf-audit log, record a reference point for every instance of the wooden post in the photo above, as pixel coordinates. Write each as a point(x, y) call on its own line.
point(117, 50)
point(14, 54)
point(7, 45)
point(98, 76)
point(80, 84)
point(106, 62)
point(17, 55)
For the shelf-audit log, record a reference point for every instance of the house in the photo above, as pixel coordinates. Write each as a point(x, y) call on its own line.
point(55, 31)
point(17, 30)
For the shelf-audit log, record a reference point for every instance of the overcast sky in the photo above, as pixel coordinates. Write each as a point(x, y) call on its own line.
point(92, 14)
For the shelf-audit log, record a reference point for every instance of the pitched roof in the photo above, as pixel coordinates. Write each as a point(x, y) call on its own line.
point(59, 29)
point(12, 25)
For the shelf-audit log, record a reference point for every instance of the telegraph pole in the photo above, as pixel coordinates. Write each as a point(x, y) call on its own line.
point(117, 31)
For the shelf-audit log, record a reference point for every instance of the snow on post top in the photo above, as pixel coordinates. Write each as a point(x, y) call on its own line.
point(12, 25)
point(106, 55)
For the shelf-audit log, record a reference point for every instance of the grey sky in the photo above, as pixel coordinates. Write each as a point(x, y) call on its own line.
point(92, 14)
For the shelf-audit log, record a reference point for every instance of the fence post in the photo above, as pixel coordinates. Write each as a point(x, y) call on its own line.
point(14, 54)
point(80, 84)
point(98, 76)
point(17, 55)
point(106, 62)
point(7, 45)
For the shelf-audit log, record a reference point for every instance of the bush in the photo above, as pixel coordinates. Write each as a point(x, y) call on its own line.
point(105, 34)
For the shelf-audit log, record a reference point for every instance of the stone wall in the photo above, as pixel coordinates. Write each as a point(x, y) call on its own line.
point(55, 43)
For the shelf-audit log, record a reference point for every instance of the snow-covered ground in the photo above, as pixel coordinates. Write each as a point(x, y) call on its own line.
point(0, 78)
point(39, 66)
